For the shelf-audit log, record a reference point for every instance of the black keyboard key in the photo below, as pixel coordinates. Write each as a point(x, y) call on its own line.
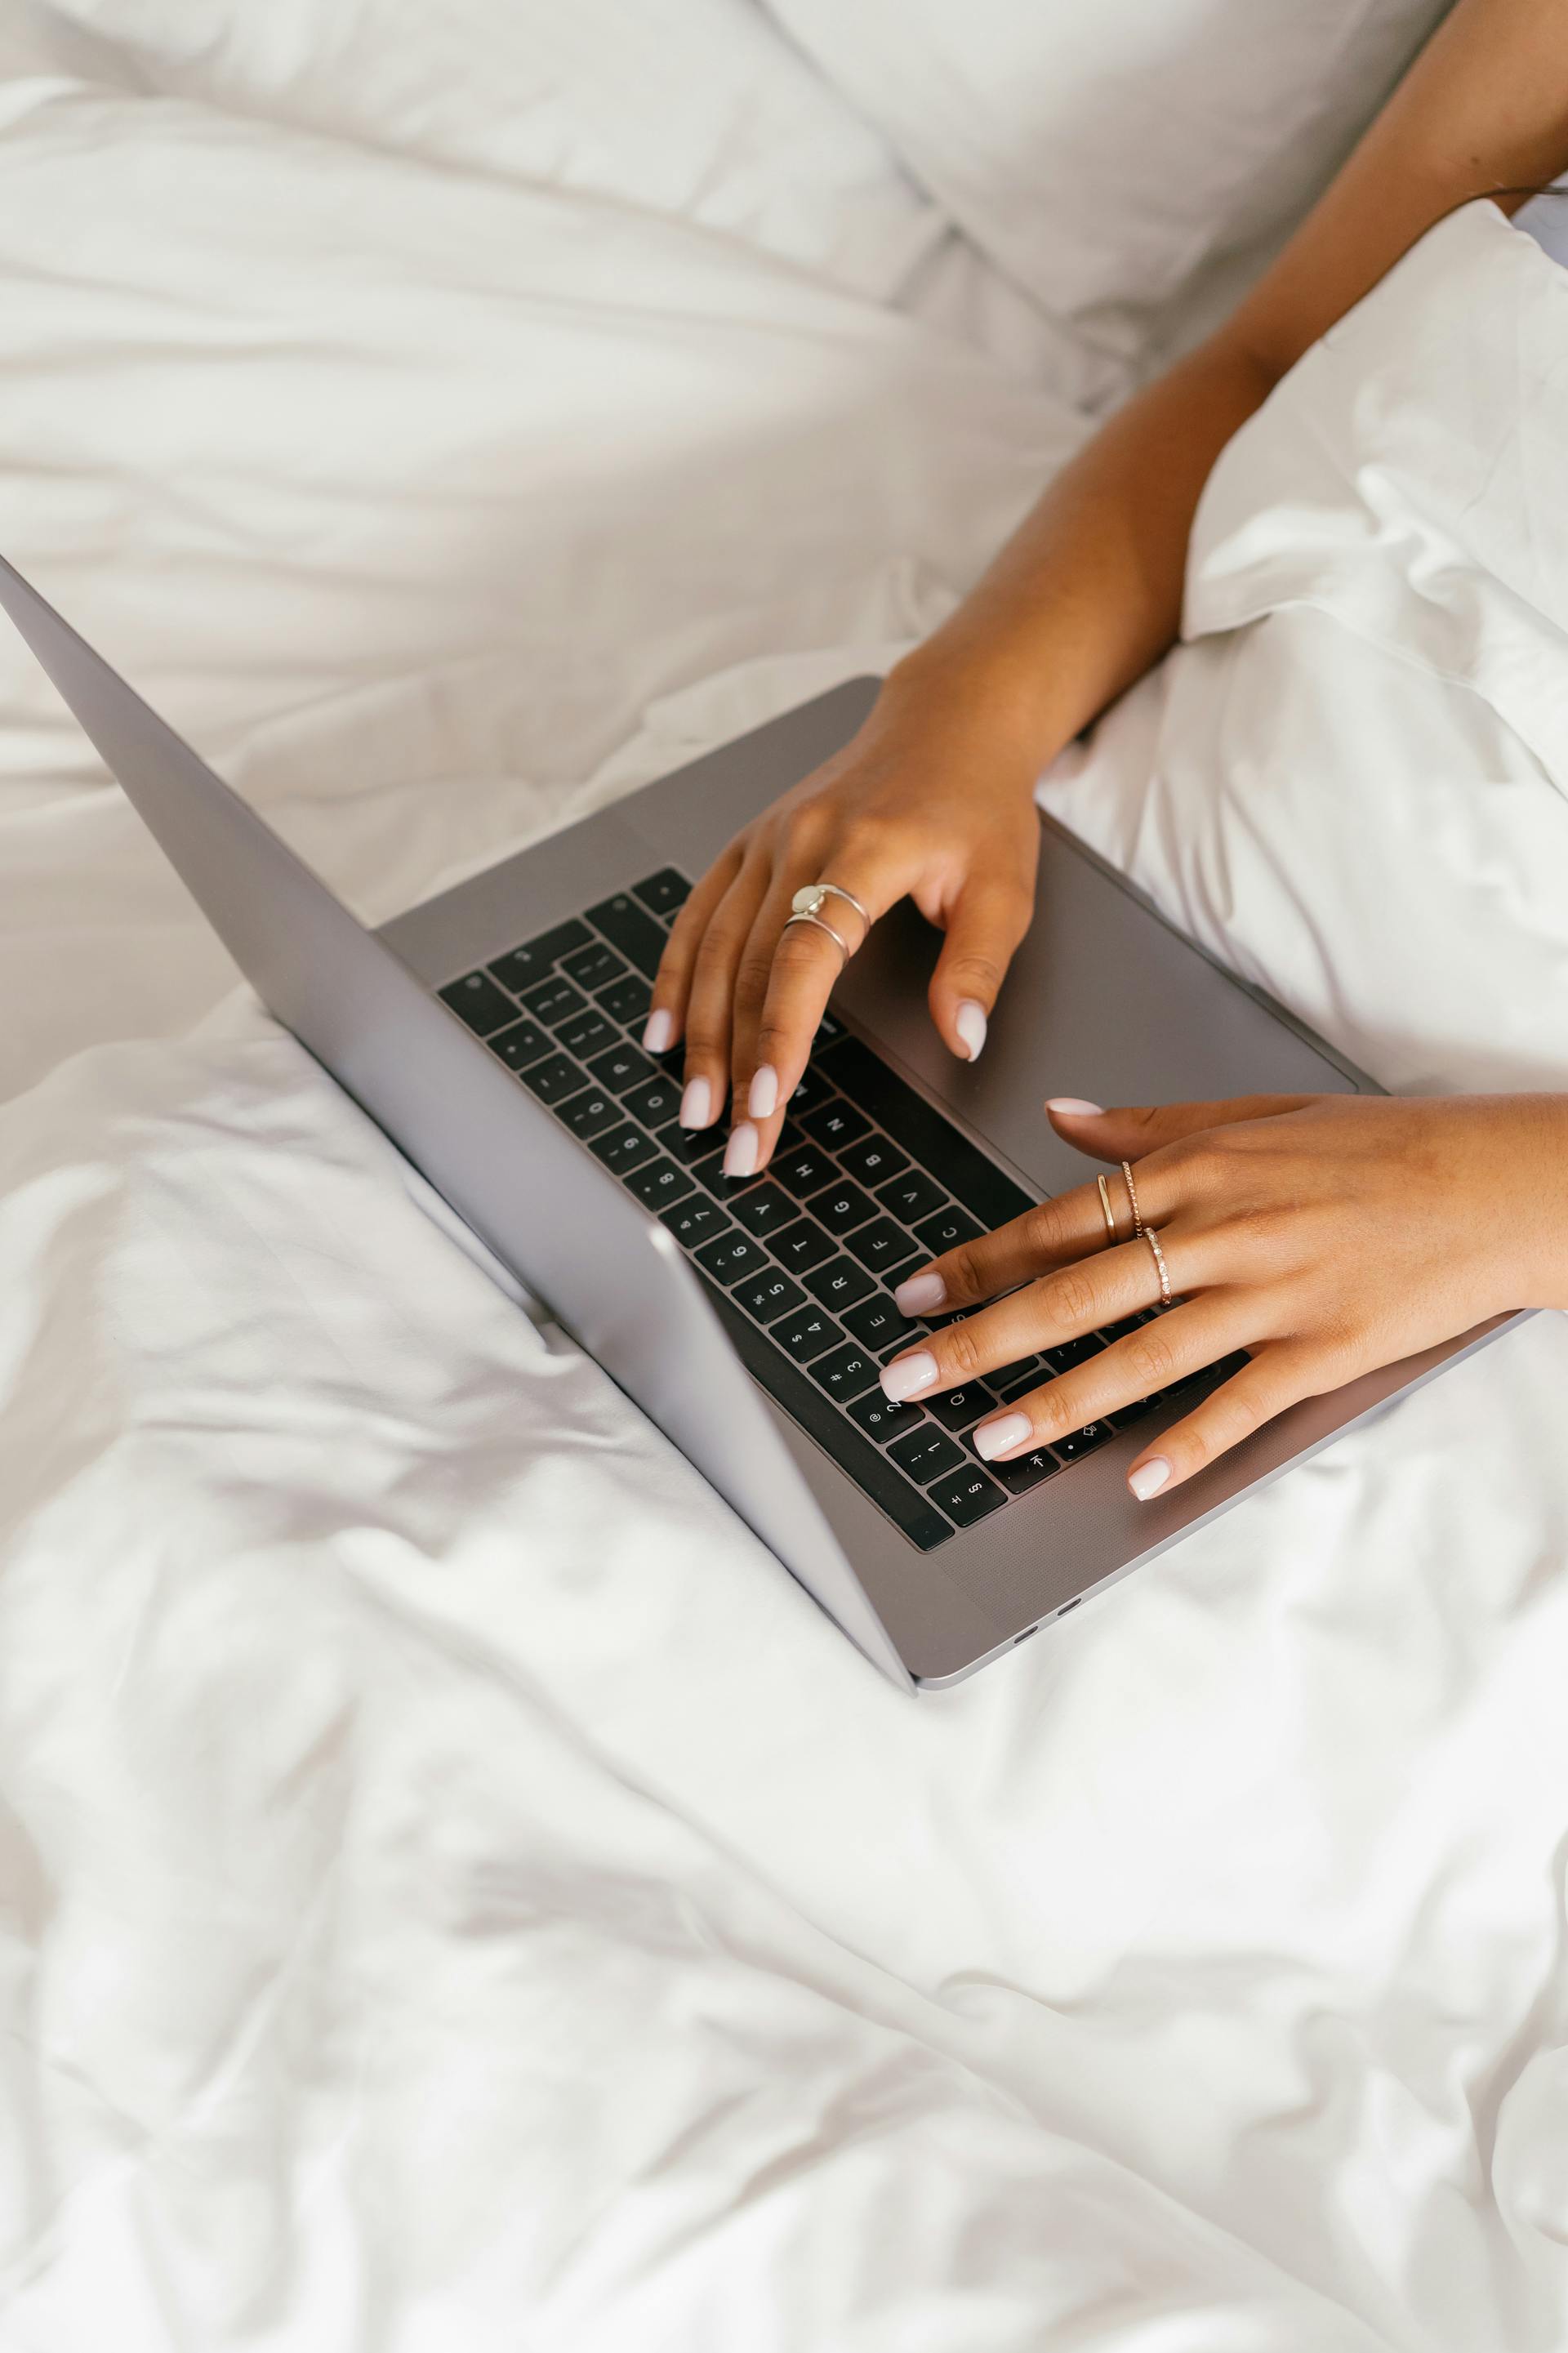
point(873, 1160)
point(659, 1182)
point(553, 1001)
point(621, 1069)
point(924, 1134)
point(829, 1030)
point(840, 1284)
point(878, 1325)
point(632, 929)
point(521, 1044)
point(730, 1256)
point(801, 1169)
point(821, 1419)
point(555, 1079)
point(882, 1246)
point(968, 1496)
point(807, 1333)
point(1022, 1372)
point(801, 1246)
point(880, 1419)
point(1082, 1442)
point(477, 1000)
point(663, 893)
point(627, 1002)
point(841, 1207)
point(709, 1172)
point(943, 1232)
point(847, 1373)
point(587, 1033)
point(763, 1208)
point(594, 966)
point(521, 966)
point(589, 1114)
point(1126, 1415)
point(1025, 1471)
point(959, 1409)
point(623, 1148)
point(769, 1296)
point(834, 1123)
point(1073, 1353)
point(691, 1145)
point(695, 1219)
point(913, 1195)
point(656, 1104)
point(810, 1095)
point(927, 1453)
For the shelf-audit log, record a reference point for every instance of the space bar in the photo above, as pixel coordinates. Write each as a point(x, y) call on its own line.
point(804, 1402)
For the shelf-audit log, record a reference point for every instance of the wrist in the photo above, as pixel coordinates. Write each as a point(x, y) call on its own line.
point(986, 691)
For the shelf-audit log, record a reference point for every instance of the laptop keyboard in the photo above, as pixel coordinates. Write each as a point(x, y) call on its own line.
point(867, 1181)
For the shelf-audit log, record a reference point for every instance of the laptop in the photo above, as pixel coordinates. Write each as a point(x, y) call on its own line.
point(493, 1034)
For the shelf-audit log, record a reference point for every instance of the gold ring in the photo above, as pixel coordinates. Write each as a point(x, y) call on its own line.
point(808, 899)
point(818, 925)
point(1133, 1198)
point(1152, 1239)
point(1109, 1212)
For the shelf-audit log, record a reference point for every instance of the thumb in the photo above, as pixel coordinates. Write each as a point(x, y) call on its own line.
point(1130, 1133)
point(986, 926)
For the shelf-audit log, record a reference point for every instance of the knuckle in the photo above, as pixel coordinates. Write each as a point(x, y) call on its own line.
point(971, 968)
point(959, 1351)
point(1151, 1357)
point(1052, 1411)
point(753, 974)
point(1045, 1227)
point(1069, 1297)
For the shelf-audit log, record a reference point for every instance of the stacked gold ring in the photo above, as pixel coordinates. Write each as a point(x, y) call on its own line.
point(1152, 1239)
point(1133, 1198)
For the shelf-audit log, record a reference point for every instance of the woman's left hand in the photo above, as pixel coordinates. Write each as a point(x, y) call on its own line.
point(1325, 1235)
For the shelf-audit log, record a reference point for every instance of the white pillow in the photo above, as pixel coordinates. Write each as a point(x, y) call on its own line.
point(1350, 781)
point(1111, 154)
point(696, 107)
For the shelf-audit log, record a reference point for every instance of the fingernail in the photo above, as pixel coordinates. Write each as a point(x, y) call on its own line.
point(1074, 1107)
point(970, 1023)
point(994, 1438)
point(920, 1294)
point(740, 1152)
point(1148, 1477)
point(905, 1376)
point(659, 1034)
point(697, 1104)
point(763, 1101)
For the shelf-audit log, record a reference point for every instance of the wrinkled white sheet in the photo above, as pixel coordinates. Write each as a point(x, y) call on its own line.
point(458, 1891)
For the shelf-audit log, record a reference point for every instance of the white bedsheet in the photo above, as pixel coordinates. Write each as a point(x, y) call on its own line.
point(457, 1892)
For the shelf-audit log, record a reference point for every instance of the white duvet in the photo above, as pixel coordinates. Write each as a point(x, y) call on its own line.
point(457, 1892)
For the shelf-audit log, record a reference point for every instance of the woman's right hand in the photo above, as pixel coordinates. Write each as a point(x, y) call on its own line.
point(934, 800)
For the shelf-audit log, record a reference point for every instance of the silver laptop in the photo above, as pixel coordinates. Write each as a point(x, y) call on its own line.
point(492, 1033)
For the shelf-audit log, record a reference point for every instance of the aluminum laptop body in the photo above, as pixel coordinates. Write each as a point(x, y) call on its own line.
point(1104, 1000)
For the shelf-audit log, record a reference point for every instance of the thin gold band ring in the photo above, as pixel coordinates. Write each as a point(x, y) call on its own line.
point(1105, 1210)
point(1152, 1239)
point(1133, 1198)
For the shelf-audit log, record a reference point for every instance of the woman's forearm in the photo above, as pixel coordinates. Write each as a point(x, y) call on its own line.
point(1087, 593)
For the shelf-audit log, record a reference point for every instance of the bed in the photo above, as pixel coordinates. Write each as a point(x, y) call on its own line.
point(457, 1892)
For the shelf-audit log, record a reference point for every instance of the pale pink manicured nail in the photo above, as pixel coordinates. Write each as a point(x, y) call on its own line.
point(1074, 1107)
point(660, 1033)
point(1148, 1477)
point(994, 1438)
point(763, 1101)
point(905, 1376)
point(740, 1152)
point(920, 1294)
point(970, 1023)
point(697, 1105)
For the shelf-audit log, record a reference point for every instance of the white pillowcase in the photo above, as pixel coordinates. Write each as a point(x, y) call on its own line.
point(1350, 782)
point(695, 108)
point(1112, 155)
